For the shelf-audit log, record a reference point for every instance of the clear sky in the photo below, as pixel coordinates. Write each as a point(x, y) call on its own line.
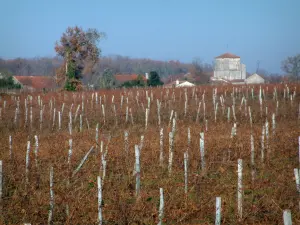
point(265, 30)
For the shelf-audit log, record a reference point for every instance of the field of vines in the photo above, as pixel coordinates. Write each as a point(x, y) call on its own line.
point(199, 155)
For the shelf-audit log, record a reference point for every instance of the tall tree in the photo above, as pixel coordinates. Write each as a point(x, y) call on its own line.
point(154, 79)
point(107, 80)
point(291, 65)
point(80, 53)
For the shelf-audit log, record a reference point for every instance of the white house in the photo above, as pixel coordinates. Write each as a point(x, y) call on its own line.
point(255, 79)
point(179, 83)
point(229, 67)
point(184, 84)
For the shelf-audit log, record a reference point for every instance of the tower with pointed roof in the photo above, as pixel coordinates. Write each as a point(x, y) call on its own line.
point(229, 67)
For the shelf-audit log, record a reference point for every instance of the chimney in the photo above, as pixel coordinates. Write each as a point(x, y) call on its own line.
point(147, 76)
point(177, 82)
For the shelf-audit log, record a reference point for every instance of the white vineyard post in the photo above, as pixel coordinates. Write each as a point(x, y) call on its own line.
point(103, 112)
point(146, 118)
point(240, 189)
point(171, 116)
point(97, 135)
point(137, 170)
point(122, 98)
point(189, 137)
point(297, 179)
point(26, 112)
point(51, 202)
point(30, 118)
point(202, 151)
point(161, 144)
point(126, 141)
point(27, 164)
point(59, 120)
point(228, 114)
point(82, 161)
point(36, 150)
point(158, 112)
point(287, 217)
point(233, 130)
point(198, 112)
point(216, 111)
point(218, 211)
point(70, 122)
point(115, 113)
point(16, 117)
point(1, 186)
point(161, 206)
point(171, 143)
point(10, 147)
point(263, 144)
point(174, 125)
point(273, 124)
point(299, 149)
point(250, 115)
point(233, 112)
point(80, 122)
point(76, 113)
point(267, 136)
point(126, 118)
point(99, 184)
point(185, 157)
point(54, 114)
point(252, 157)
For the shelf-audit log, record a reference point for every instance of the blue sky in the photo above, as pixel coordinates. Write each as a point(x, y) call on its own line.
point(265, 30)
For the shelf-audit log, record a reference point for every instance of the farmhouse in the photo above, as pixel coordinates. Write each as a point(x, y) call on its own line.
point(255, 79)
point(35, 83)
point(179, 83)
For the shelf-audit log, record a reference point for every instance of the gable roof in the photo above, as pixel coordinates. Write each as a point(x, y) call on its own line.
point(127, 77)
point(227, 55)
point(255, 75)
point(36, 82)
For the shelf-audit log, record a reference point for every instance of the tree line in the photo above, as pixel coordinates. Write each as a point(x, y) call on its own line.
point(79, 61)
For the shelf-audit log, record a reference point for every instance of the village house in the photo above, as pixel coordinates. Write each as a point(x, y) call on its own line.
point(35, 83)
point(255, 79)
point(179, 83)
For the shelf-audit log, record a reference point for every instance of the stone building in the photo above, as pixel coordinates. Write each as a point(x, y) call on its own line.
point(229, 67)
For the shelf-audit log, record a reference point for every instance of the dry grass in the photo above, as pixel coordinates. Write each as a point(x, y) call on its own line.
point(265, 199)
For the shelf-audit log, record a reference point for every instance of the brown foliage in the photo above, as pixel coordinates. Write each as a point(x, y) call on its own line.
point(273, 191)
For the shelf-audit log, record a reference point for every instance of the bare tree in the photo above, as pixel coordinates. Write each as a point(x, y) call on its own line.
point(291, 65)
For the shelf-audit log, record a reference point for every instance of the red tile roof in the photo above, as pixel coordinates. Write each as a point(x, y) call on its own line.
point(36, 82)
point(127, 77)
point(227, 55)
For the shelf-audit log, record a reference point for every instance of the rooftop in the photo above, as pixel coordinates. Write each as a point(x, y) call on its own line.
point(36, 82)
point(227, 55)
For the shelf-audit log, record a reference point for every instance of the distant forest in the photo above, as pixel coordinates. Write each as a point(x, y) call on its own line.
point(199, 72)
point(118, 64)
